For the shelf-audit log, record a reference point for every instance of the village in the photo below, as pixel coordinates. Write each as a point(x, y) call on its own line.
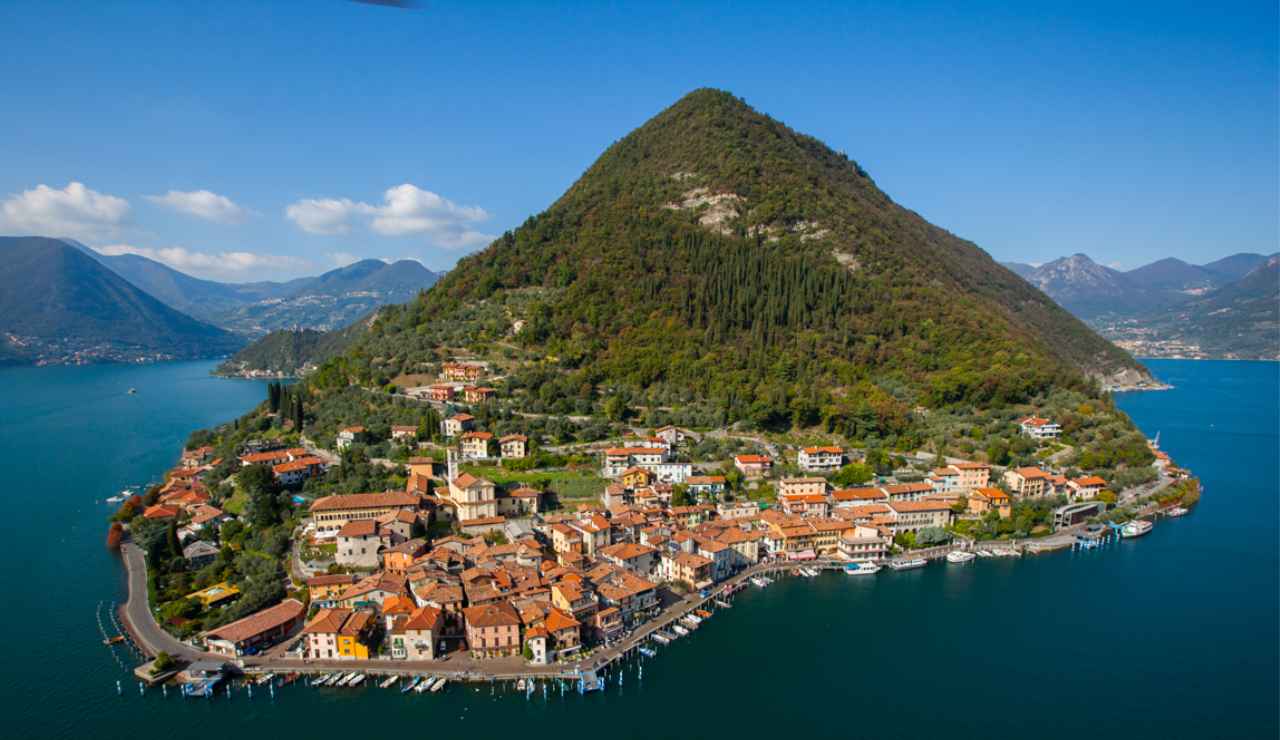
point(458, 573)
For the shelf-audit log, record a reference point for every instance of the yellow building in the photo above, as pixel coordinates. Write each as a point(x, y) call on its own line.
point(342, 634)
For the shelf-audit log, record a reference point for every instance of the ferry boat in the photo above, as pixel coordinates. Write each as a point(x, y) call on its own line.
point(908, 564)
point(861, 569)
point(1176, 511)
point(1136, 528)
point(960, 556)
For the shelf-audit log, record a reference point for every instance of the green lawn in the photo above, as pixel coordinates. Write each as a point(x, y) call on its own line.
point(567, 484)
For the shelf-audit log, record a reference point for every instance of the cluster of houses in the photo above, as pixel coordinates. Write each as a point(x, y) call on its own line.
point(565, 581)
point(293, 466)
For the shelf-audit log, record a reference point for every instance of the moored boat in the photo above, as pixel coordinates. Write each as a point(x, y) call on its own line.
point(679, 630)
point(1136, 528)
point(411, 684)
point(388, 682)
point(908, 564)
point(1176, 511)
point(439, 684)
point(960, 556)
point(861, 569)
point(359, 679)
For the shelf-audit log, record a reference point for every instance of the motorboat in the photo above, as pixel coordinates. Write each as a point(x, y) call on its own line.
point(861, 569)
point(960, 556)
point(908, 564)
point(1136, 528)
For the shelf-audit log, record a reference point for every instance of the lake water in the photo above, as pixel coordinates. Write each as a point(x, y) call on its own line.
point(1173, 635)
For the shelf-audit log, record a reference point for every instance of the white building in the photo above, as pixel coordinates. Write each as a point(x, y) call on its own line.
point(820, 459)
point(1038, 428)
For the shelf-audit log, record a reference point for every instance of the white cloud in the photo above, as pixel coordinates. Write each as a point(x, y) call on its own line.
point(406, 210)
point(75, 211)
point(201, 204)
point(324, 215)
point(218, 265)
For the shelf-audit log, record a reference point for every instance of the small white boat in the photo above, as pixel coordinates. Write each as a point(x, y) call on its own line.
point(1176, 511)
point(438, 685)
point(984, 553)
point(660, 638)
point(680, 630)
point(693, 618)
point(359, 679)
point(1136, 528)
point(908, 564)
point(264, 678)
point(133, 391)
point(388, 682)
point(424, 686)
point(960, 556)
point(117, 499)
point(1006, 552)
point(861, 569)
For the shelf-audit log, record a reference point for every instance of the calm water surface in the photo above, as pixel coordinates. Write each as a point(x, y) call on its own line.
point(1173, 635)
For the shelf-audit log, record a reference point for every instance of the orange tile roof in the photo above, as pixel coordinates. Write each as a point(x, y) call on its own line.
point(364, 501)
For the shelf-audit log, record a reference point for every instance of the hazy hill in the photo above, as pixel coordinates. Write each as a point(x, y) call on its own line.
point(718, 254)
point(1168, 307)
point(331, 300)
point(59, 305)
point(328, 301)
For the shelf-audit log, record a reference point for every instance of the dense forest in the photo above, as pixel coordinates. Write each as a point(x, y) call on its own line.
point(714, 256)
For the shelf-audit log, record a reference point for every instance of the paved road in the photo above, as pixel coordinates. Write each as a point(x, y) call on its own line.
point(137, 613)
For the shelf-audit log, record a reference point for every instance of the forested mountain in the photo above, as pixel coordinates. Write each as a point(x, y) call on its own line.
point(328, 301)
point(716, 254)
point(57, 305)
point(290, 351)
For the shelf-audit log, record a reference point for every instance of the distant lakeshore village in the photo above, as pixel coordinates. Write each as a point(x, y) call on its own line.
point(456, 574)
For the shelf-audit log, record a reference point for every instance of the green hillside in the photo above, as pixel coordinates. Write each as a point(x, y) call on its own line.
point(716, 255)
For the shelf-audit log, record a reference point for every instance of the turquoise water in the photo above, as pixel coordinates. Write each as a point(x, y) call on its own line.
point(1173, 635)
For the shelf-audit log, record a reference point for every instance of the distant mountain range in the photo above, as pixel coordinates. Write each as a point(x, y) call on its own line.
point(1228, 308)
point(62, 302)
point(328, 301)
point(58, 306)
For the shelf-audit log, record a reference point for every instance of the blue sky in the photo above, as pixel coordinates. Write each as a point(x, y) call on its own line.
point(250, 140)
